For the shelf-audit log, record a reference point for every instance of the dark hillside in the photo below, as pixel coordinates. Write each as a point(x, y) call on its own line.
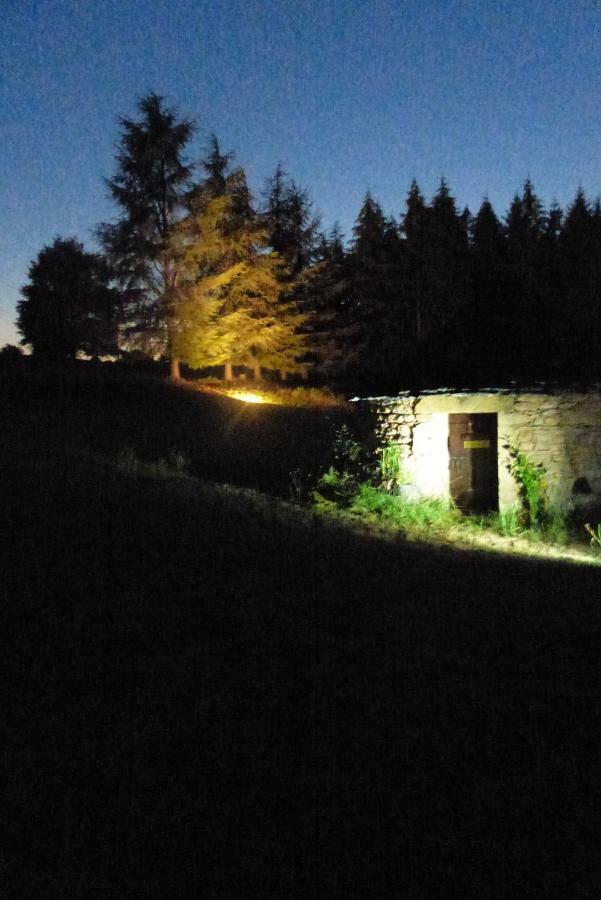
point(104, 410)
point(209, 693)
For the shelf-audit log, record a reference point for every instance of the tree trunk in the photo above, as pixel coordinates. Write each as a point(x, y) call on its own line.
point(283, 375)
point(228, 373)
point(175, 373)
point(256, 371)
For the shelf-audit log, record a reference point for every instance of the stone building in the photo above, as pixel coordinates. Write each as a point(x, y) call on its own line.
point(457, 444)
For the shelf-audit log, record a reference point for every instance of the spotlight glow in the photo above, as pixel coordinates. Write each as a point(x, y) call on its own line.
point(247, 396)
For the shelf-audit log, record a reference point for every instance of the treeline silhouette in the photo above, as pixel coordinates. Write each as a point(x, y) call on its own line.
point(439, 297)
point(447, 297)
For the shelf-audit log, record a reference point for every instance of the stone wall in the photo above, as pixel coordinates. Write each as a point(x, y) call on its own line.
point(561, 430)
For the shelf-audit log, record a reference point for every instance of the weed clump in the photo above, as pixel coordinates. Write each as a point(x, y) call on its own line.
point(427, 513)
point(533, 487)
point(128, 461)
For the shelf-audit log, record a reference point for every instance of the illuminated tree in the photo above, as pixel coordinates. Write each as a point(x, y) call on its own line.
point(68, 304)
point(150, 188)
point(228, 309)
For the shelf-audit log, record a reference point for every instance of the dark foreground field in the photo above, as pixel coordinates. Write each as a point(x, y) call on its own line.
point(210, 695)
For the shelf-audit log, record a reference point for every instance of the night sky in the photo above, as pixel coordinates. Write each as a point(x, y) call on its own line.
point(349, 95)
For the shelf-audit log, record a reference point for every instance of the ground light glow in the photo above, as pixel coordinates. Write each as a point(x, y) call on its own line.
point(247, 397)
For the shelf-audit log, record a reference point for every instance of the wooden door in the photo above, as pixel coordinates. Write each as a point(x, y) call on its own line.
point(473, 464)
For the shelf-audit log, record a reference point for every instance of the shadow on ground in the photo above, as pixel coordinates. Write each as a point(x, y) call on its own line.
point(208, 694)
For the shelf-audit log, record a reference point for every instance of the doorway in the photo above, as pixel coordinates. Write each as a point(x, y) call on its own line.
point(473, 462)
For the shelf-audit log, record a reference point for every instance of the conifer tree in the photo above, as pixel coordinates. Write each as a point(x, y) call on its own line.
point(376, 305)
point(216, 164)
point(150, 188)
point(526, 309)
point(448, 245)
point(332, 333)
point(549, 276)
point(229, 309)
point(579, 252)
point(485, 317)
point(415, 232)
point(290, 221)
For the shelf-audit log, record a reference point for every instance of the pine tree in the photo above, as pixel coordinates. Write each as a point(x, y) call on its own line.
point(222, 180)
point(435, 280)
point(332, 334)
point(416, 281)
point(526, 302)
point(150, 188)
point(229, 310)
point(376, 305)
point(551, 293)
point(290, 221)
point(487, 235)
point(216, 165)
point(579, 257)
point(448, 245)
point(486, 317)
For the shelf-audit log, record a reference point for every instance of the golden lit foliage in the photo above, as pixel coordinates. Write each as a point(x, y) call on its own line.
point(228, 303)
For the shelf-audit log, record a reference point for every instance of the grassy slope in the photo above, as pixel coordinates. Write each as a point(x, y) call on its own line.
point(211, 695)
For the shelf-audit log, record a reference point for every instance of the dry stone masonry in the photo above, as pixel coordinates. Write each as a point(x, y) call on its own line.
point(561, 430)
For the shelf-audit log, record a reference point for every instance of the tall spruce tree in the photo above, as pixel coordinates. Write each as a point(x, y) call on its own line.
point(448, 246)
point(332, 333)
point(229, 307)
point(526, 299)
point(579, 254)
point(150, 188)
point(435, 278)
point(376, 305)
point(222, 179)
point(485, 319)
point(415, 224)
point(290, 221)
point(552, 310)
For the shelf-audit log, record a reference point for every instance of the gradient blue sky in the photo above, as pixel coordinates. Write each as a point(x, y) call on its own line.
point(349, 95)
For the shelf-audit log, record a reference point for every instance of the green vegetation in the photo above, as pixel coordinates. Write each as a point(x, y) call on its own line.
point(358, 490)
point(533, 487)
point(392, 473)
point(509, 522)
point(428, 515)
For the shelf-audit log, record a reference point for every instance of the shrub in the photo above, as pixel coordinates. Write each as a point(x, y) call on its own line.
point(335, 487)
point(533, 487)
